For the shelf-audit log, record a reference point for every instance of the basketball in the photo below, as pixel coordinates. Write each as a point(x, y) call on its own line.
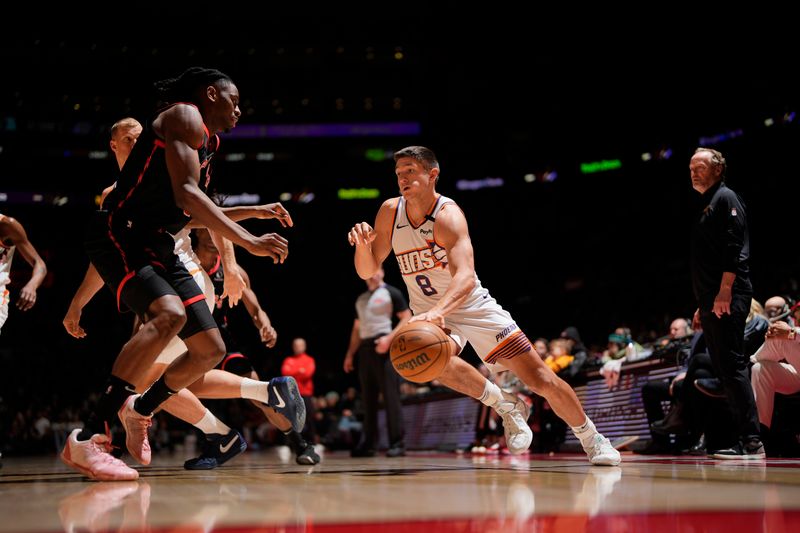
point(420, 351)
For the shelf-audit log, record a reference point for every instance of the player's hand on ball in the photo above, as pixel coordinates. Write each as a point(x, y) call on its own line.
point(432, 316)
point(361, 234)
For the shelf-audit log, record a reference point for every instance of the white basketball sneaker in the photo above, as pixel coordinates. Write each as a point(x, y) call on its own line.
point(601, 452)
point(515, 413)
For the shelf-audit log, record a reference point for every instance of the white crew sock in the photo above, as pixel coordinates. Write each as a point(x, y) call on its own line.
point(211, 424)
point(585, 432)
point(491, 394)
point(254, 390)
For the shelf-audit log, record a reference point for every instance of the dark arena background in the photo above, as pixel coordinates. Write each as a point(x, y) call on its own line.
point(569, 160)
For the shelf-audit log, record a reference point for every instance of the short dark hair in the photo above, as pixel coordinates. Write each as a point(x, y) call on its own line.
point(421, 154)
point(183, 88)
point(717, 159)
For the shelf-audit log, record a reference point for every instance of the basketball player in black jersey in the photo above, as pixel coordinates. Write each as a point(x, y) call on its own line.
point(160, 188)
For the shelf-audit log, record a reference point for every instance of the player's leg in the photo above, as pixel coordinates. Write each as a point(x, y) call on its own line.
point(304, 452)
point(464, 378)
point(531, 369)
point(146, 292)
point(220, 443)
point(205, 349)
point(280, 393)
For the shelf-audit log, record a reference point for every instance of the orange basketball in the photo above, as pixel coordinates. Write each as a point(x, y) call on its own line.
point(420, 351)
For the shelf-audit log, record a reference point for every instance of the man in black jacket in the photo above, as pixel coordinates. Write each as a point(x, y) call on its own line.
point(721, 281)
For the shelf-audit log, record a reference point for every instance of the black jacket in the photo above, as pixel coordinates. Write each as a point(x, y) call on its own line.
point(720, 243)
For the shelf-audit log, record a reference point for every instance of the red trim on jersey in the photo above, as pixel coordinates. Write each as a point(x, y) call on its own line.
point(193, 299)
point(208, 136)
point(127, 197)
point(216, 266)
point(122, 283)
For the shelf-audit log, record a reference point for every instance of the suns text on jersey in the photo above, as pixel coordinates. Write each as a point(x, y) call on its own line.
point(417, 260)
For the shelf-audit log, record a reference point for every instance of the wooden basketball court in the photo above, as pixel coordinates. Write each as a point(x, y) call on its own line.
point(266, 491)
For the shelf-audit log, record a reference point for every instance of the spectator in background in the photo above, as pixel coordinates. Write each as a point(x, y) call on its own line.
point(776, 308)
point(540, 345)
point(558, 357)
point(679, 328)
point(576, 349)
point(301, 367)
point(654, 393)
point(775, 370)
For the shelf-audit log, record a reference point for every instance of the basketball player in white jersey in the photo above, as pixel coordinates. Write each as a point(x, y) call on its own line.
point(216, 384)
point(13, 237)
point(428, 233)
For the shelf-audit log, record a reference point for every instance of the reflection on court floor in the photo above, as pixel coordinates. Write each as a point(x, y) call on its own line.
point(437, 492)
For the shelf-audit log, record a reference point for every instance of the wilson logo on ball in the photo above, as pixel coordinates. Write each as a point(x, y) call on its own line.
point(420, 351)
point(411, 364)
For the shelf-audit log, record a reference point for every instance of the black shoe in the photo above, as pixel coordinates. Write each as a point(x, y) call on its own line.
point(396, 451)
point(672, 424)
point(699, 447)
point(711, 387)
point(655, 447)
point(217, 450)
point(362, 452)
point(308, 456)
point(303, 451)
point(752, 449)
point(284, 397)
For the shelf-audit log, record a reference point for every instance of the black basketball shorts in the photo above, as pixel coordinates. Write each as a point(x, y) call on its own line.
point(139, 269)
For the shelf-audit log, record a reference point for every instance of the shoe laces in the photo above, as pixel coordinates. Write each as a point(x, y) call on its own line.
point(512, 422)
point(102, 453)
point(143, 423)
point(600, 445)
point(109, 444)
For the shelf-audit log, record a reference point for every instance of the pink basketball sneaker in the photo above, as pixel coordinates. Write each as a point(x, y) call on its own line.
point(136, 427)
point(92, 459)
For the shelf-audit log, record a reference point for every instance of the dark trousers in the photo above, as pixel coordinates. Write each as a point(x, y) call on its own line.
point(653, 394)
point(725, 342)
point(376, 375)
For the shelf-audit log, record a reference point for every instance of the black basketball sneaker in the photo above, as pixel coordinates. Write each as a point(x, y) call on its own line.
point(217, 450)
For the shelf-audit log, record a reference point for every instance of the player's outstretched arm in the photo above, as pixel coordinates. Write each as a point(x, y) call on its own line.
point(373, 244)
point(234, 283)
point(92, 282)
point(182, 128)
point(245, 212)
point(260, 318)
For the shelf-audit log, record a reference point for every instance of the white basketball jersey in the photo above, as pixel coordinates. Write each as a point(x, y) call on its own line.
point(423, 262)
point(183, 243)
point(6, 255)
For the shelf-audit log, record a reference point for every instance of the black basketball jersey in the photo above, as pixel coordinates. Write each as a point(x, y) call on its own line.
point(143, 199)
